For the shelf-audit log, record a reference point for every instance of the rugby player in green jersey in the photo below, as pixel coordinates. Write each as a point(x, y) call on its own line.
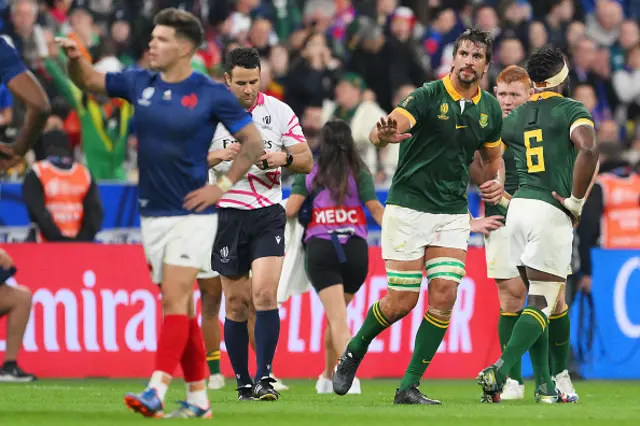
point(426, 222)
point(513, 88)
point(554, 144)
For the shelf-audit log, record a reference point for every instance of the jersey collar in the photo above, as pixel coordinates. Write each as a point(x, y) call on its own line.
point(545, 95)
point(448, 84)
point(259, 101)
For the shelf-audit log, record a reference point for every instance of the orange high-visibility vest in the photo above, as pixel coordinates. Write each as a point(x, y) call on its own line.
point(620, 222)
point(64, 193)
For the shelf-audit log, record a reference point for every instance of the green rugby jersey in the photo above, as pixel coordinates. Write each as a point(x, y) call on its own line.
point(538, 133)
point(433, 166)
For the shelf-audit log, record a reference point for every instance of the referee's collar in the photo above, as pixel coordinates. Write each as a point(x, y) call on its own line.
point(448, 84)
point(259, 101)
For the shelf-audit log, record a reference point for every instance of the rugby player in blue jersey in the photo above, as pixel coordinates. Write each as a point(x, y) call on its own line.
point(177, 111)
point(15, 300)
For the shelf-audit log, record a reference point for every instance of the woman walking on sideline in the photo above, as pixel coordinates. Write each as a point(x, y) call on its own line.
point(337, 255)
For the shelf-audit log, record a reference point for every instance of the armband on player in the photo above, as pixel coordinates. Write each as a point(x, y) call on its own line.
point(224, 183)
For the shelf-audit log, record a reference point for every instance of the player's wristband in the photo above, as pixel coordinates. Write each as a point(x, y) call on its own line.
point(504, 202)
point(574, 204)
point(224, 183)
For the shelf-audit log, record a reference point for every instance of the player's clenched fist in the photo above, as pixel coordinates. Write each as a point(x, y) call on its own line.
point(69, 46)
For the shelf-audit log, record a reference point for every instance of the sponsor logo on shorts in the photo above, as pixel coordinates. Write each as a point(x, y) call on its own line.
point(278, 239)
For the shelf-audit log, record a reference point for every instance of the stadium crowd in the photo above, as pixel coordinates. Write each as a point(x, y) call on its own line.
point(352, 59)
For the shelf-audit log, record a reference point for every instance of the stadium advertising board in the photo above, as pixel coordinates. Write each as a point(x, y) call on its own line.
point(615, 353)
point(96, 314)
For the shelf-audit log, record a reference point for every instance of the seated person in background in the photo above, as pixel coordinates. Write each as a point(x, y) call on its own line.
point(60, 194)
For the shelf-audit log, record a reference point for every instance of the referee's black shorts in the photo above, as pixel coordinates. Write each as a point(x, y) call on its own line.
point(246, 235)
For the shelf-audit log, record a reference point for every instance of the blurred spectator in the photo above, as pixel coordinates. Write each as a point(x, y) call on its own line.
point(586, 94)
point(538, 37)
point(626, 81)
point(310, 78)
point(629, 37)
point(359, 114)
point(575, 32)
point(557, 20)
point(261, 36)
point(603, 26)
point(510, 52)
point(104, 121)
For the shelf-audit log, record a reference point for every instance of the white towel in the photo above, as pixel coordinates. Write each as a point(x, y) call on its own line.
point(293, 279)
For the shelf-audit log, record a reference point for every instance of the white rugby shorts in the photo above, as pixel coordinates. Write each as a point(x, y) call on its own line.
point(541, 236)
point(179, 240)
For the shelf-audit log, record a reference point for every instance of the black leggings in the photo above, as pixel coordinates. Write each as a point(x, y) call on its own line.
point(324, 268)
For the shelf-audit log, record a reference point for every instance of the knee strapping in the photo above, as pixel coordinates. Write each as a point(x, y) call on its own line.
point(445, 268)
point(404, 280)
point(440, 313)
point(550, 291)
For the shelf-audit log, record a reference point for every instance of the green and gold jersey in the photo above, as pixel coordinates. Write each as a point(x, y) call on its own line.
point(433, 165)
point(538, 133)
point(510, 183)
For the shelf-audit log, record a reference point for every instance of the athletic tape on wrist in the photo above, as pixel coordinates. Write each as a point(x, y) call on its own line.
point(224, 183)
point(504, 202)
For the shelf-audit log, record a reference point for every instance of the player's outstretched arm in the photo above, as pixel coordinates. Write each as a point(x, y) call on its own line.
point(81, 72)
point(26, 87)
point(391, 129)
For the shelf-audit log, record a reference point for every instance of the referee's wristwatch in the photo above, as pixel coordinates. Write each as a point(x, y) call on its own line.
point(289, 160)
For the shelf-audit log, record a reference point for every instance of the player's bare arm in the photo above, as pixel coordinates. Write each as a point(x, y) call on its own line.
point(251, 147)
point(376, 209)
point(81, 72)
point(218, 156)
point(476, 172)
point(392, 129)
point(294, 202)
point(492, 189)
point(26, 87)
point(584, 138)
point(300, 161)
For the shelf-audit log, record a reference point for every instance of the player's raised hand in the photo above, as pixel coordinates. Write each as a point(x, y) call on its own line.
point(202, 198)
point(8, 157)
point(69, 46)
point(484, 225)
point(491, 191)
point(388, 131)
point(573, 204)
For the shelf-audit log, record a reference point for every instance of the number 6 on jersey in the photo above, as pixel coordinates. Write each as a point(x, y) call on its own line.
point(536, 152)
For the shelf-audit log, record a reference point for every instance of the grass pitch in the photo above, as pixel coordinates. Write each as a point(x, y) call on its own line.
point(99, 402)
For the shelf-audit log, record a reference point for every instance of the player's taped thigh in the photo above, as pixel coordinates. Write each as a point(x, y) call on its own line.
point(404, 280)
point(545, 294)
point(445, 268)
